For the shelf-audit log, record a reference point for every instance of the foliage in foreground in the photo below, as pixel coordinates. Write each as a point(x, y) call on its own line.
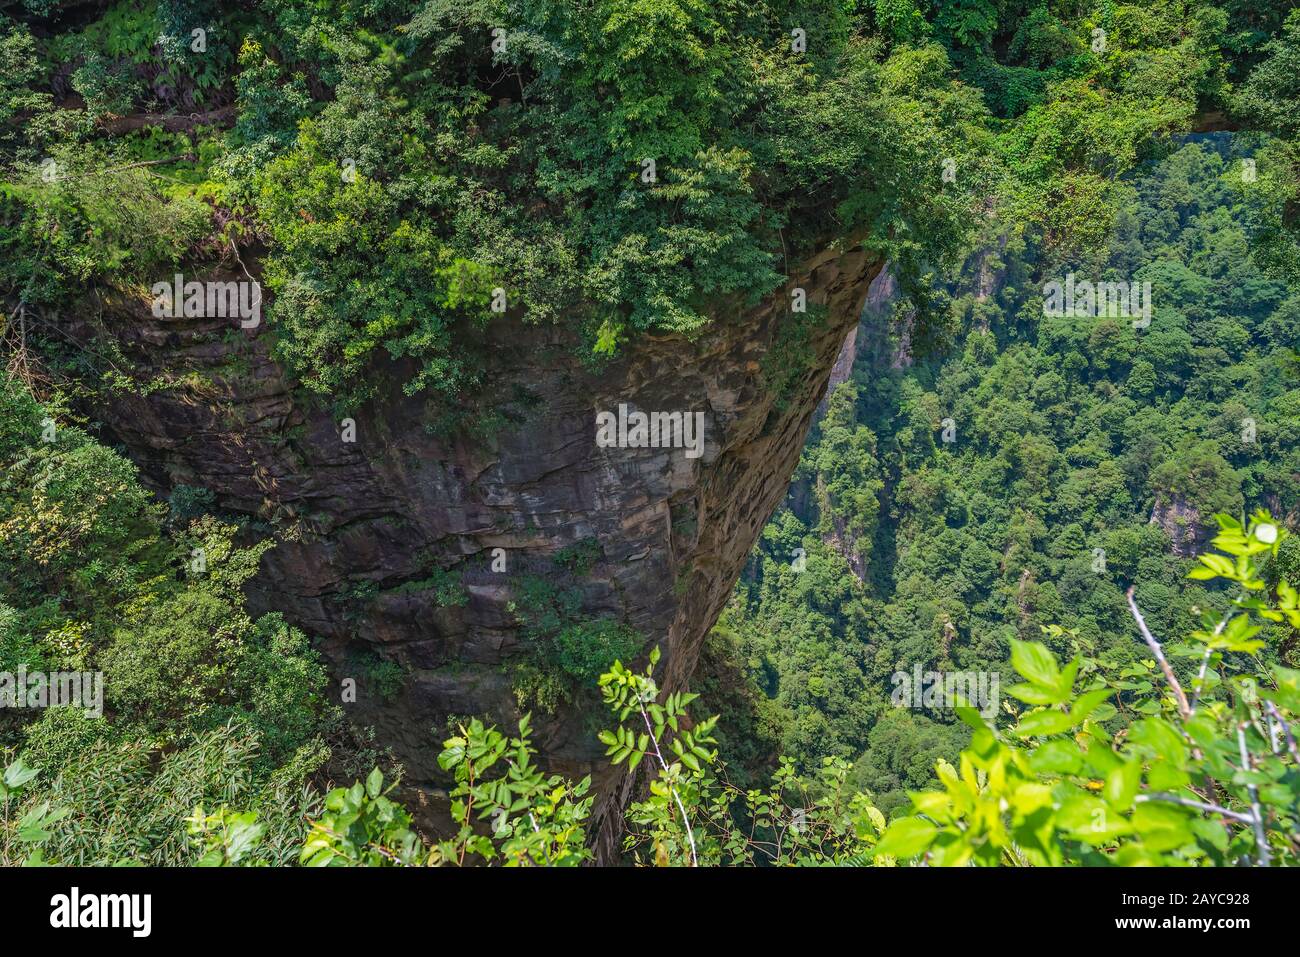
point(1203, 774)
point(1097, 769)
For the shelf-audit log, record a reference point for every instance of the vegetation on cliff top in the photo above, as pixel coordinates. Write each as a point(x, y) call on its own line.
point(623, 167)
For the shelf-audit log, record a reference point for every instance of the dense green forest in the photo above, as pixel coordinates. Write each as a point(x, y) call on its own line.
point(1068, 434)
point(1058, 500)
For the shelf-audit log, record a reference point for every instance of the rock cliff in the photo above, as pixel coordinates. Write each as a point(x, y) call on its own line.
point(386, 544)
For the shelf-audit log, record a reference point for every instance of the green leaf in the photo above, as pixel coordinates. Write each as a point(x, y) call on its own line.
point(1122, 784)
point(1090, 820)
point(1158, 737)
point(19, 773)
point(906, 838)
point(1088, 702)
point(1057, 756)
point(971, 717)
point(1217, 564)
point(1041, 723)
point(1035, 662)
point(1034, 694)
point(1163, 827)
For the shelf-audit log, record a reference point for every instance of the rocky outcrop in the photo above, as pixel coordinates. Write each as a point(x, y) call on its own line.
point(842, 368)
point(385, 545)
point(1182, 523)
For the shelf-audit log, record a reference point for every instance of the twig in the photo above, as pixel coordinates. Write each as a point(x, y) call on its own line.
point(1257, 821)
point(119, 169)
point(239, 259)
point(80, 345)
point(1286, 730)
point(1205, 661)
point(1199, 805)
point(1183, 707)
point(377, 848)
point(690, 835)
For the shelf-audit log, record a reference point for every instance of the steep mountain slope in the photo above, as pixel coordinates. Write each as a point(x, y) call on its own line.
point(387, 546)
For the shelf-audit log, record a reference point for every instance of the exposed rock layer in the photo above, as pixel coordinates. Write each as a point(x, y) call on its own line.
point(1180, 520)
point(370, 530)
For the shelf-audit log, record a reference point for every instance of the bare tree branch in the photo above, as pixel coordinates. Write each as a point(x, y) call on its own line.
point(1183, 707)
point(1199, 805)
point(1257, 819)
point(1286, 729)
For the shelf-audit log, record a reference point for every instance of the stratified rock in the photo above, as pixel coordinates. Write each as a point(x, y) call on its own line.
point(371, 533)
point(1182, 523)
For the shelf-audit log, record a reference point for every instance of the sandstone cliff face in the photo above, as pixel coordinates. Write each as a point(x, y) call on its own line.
point(1182, 523)
point(368, 530)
